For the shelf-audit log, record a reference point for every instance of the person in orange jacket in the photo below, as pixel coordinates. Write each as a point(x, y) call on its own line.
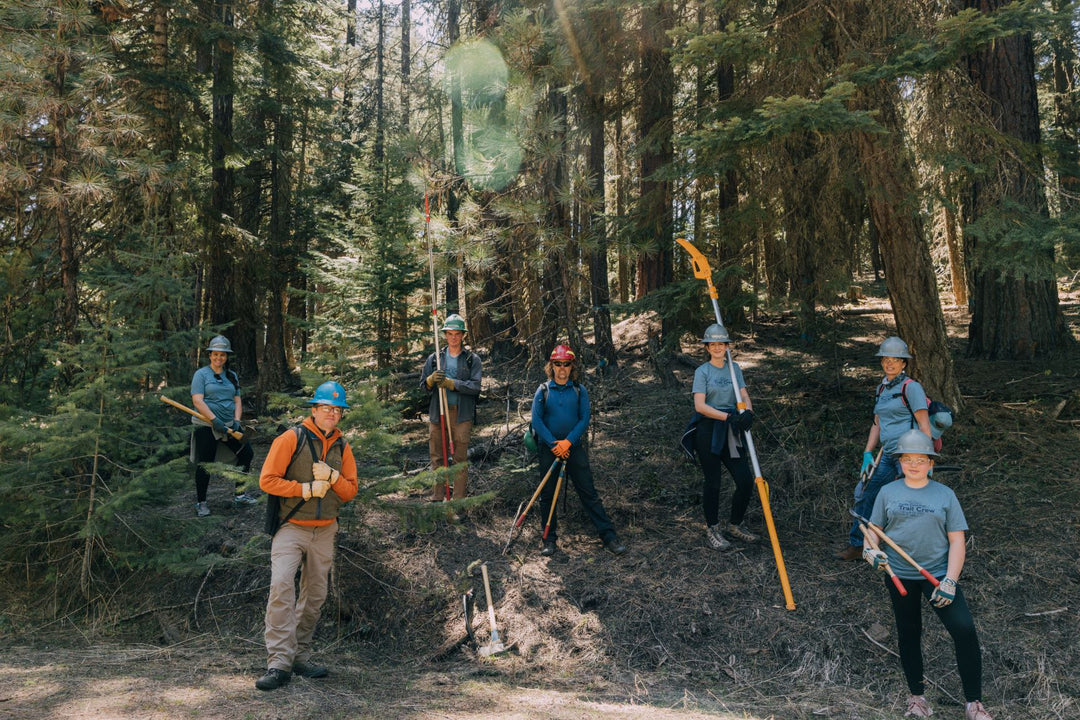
point(312, 473)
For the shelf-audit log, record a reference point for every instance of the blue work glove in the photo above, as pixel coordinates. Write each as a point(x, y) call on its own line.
point(220, 427)
point(867, 461)
point(944, 593)
point(877, 559)
point(237, 426)
point(743, 420)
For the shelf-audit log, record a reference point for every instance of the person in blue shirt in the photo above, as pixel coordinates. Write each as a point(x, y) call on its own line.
point(719, 441)
point(560, 417)
point(926, 520)
point(899, 406)
point(460, 377)
point(215, 392)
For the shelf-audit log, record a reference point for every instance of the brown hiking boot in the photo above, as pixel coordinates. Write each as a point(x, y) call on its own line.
point(849, 552)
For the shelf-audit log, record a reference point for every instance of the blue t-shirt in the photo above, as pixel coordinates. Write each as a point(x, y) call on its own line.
point(918, 520)
point(894, 418)
point(716, 384)
point(564, 416)
point(218, 392)
point(451, 371)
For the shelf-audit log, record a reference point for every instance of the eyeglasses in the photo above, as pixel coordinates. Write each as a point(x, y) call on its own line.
point(561, 364)
point(333, 410)
point(917, 462)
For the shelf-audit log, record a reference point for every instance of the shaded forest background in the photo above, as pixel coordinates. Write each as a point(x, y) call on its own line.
point(171, 170)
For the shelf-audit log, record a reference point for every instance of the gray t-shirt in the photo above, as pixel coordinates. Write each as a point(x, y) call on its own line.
point(918, 520)
point(894, 418)
point(716, 384)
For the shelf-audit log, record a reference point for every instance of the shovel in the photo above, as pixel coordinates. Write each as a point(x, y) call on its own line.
point(495, 645)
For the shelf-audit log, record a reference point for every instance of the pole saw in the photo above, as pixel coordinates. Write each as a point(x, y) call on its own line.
point(703, 272)
point(445, 437)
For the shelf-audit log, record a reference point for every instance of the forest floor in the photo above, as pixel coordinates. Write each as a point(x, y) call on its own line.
point(672, 629)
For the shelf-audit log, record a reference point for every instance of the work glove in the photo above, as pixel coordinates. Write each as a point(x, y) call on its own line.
point(867, 461)
point(562, 449)
point(448, 383)
point(743, 420)
point(319, 488)
point(877, 559)
point(305, 490)
point(237, 426)
point(944, 593)
point(435, 378)
point(322, 471)
point(220, 427)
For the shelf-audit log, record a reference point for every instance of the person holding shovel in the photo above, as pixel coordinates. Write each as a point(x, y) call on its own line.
point(215, 393)
point(925, 519)
point(900, 406)
point(719, 441)
point(460, 377)
point(560, 417)
point(312, 473)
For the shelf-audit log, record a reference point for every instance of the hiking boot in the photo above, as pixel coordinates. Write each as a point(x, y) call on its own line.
point(613, 546)
point(918, 707)
point(244, 499)
point(548, 548)
point(202, 509)
point(273, 679)
point(716, 538)
point(849, 552)
point(740, 533)
point(976, 711)
point(309, 670)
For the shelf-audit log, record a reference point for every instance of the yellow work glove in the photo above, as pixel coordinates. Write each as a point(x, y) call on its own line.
point(435, 378)
point(562, 449)
point(448, 384)
point(319, 488)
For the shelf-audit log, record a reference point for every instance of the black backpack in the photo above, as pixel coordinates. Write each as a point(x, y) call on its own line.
point(273, 520)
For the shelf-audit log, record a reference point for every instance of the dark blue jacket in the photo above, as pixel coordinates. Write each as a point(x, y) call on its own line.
point(565, 415)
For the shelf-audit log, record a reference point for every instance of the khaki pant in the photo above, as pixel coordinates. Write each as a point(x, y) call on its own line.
point(290, 620)
point(460, 432)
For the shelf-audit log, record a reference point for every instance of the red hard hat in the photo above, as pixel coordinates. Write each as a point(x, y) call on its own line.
point(562, 352)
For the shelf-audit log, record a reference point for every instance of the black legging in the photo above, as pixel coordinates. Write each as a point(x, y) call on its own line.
point(206, 451)
point(711, 465)
point(956, 617)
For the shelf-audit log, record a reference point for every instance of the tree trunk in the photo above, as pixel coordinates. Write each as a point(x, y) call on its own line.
point(1014, 302)
point(219, 263)
point(891, 184)
point(406, 64)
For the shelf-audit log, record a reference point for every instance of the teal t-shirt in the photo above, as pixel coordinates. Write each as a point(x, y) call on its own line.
point(218, 392)
point(716, 384)
point(919, 521)
point(451, 371)
point(894, 418)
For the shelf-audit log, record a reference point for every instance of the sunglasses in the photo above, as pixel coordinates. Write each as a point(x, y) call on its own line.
point(562, 364)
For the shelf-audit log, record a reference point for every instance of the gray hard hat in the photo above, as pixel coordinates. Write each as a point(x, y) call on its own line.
point(915, 442)
point(894, 347)
point(220, 343)
point(716, 333)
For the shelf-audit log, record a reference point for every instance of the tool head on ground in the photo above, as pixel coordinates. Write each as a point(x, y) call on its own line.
point(562, 352)
point(915, 442)
point(894, 347)
point(454, 322)
point(219, 343)
point(716, 333)
point(329, 393)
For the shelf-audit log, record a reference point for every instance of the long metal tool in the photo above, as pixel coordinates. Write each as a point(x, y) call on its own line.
point(703, 272)
point(446, 438)
point(519, 517)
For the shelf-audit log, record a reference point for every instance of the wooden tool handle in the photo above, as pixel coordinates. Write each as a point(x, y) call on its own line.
point(195, 413)
point(872, 540)
point(902, 553)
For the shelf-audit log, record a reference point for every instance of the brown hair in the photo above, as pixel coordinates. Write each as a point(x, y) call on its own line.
point(575, 371)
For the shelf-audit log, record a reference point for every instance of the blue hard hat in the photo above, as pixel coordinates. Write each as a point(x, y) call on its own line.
point(329, 393)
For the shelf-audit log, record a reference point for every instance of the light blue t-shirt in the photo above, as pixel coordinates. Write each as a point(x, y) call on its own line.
point(894, 418)
point(451, 371)
point(218, 392)
point(716, 384)
point(918, 520)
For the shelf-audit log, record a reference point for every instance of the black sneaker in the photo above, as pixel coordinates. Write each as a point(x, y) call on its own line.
point(273, 679)
point(309, 670)
point(613, 546)
point(548, 549)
